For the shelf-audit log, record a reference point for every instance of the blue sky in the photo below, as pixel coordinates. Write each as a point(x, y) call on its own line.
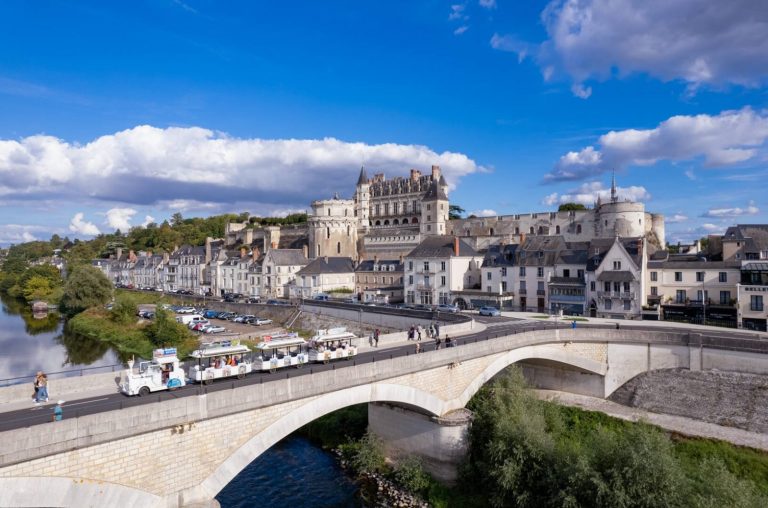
point(113, 114)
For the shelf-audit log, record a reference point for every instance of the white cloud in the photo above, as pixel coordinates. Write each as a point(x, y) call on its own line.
point(690, 174)
point(688, 235)
point(694, 41)
point(488, 4)
point(147, 220)
point(20, 233)
point(120, 218)
point(587, 194)
point(728, 138)
point(678, 217)
point(460, 30)
point(457, 12)
point(581, 91)
point(82, 227)
point(719, 213)
point(484, 213)
point(147, 165)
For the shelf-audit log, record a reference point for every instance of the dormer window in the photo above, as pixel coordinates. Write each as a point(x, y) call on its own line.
point(617, 265)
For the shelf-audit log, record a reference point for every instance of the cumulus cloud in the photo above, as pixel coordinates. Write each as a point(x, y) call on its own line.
point(511, 44)
point(694, 41)
point(82, 227)
point(488, 4)
point(725, 139)
point(484, 213)
point(587, 194)
point(19, 233)
point(719, 213)
point(678, 217)
point(147, 220)
point(688, 235)
point(120, 218)
point(148, 165)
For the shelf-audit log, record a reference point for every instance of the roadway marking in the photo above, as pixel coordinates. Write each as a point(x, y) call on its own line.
point(84, 402)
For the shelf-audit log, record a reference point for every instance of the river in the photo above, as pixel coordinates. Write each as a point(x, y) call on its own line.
point(293, 474)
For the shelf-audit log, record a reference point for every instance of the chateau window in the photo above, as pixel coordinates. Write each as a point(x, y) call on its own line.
point(394, 208)
point(607, 287)
point(329, 211)
point(627, 304)
point(377, 210)
point(591, 285)
point(517, 230)
point(328, 232)
point(429, 217)
point(580, 273)
point(386, 208)
point(410, 265)
point(442, 280)
point(410, 280)
point(503, 271)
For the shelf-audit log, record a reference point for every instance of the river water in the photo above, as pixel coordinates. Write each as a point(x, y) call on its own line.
point(293, 474)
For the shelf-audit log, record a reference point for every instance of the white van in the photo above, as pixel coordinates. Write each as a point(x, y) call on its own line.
point(189, 318)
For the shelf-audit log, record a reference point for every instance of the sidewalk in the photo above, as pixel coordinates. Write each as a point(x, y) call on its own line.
point(629, 323)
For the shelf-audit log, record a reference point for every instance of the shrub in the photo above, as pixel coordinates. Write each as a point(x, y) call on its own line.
point(369, 455)
point(410, 474)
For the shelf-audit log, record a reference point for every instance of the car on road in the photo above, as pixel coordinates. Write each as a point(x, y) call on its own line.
point(446, 307)
point(213, 329)
point(257, 321)
point(489, 311)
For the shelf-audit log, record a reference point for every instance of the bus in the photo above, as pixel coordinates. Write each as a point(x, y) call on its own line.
point(218, 360)
point(332, 344)
point(276, 352)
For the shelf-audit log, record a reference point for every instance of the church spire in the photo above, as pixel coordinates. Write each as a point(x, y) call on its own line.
point(614, 194)
point(363, 179)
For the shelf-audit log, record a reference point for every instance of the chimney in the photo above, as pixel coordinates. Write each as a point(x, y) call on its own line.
point(455, 245)
point(436, 172)
point(243, 252)
point(305, 250)
point(208, 241)
point(415, 174)
point(274, 245)
point(375, 259)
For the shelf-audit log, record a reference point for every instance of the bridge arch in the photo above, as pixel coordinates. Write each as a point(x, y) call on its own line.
point(306, 413)
point(527, 353)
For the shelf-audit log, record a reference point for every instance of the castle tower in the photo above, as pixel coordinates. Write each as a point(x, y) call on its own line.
point(333, 228)
point(434, 210)
point(363, 201)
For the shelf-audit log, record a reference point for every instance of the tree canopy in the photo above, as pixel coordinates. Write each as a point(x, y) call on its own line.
point(569, 207)
point(455, 212)
point(86, 287)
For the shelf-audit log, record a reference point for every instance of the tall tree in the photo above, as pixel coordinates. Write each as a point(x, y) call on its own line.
point(569, 207)
point(86, 287)
point(455, 212)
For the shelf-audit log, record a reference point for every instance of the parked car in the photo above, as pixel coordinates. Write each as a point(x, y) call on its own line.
point(198, 326)
point(211, 313)
point(489, 311)
point(421, 306)
point(214, 329)
point(243, 318)
point(446, 307)
point(253, 299)
point(185, 310)
point(257, 321)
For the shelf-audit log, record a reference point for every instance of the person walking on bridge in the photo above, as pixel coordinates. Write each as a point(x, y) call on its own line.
point(58, 413)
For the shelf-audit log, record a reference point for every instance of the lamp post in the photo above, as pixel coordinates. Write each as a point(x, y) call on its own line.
point(703, 303)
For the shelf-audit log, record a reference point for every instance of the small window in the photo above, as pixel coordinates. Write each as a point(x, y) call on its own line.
point(699, 276)
point(654, 276)
point(723, 277)
point(617, 265)
point(522, 271)
point(540, 272)
point(489, 276)
point(678, 276)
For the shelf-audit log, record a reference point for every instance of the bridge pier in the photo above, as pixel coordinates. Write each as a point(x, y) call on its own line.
point(439, 441)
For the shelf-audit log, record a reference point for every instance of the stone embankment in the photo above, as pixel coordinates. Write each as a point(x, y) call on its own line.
point(729, 399)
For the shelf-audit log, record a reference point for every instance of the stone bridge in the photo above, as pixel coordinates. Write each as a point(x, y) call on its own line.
point(183, 451)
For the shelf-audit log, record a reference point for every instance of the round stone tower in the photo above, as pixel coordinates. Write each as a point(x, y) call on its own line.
point(333, 228)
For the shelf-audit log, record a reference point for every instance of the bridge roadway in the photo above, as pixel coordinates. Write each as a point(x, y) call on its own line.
point(716, 338)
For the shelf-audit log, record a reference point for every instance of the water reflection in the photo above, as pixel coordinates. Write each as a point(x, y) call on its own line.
point(28, 344)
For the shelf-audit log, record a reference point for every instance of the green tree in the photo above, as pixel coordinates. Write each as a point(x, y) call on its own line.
point(124, 311)
point(164, 331)
point(455, 212)
point(86, 287)
point(570, 207)
point(37, 288)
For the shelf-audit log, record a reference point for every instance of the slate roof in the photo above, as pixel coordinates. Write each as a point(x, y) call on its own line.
point(363, 178)
point(754, 236)
point(441, 247)
point(325, 265)
point(435, 192)
point(287, 257)
point(367, 265)
point(500, 255)
point(616, 276)
point(696, 263)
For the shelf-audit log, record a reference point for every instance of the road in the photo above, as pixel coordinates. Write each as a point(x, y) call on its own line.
point(496, 327)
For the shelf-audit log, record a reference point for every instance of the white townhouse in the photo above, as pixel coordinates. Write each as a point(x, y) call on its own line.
point(278, 271)
point(323, 275)
point(438, 268)
point(618, 278)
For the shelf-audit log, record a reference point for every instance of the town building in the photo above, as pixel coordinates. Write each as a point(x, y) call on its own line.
point(379, 280)
point(323, 275)
point(279, 269)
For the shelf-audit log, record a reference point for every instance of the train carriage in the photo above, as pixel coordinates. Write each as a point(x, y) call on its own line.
point(220, 360)
point(332, 344)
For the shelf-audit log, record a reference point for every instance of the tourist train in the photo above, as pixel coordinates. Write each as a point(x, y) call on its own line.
point(219, 360)
point(278, 351)
point(163, 372)
point(332, 344)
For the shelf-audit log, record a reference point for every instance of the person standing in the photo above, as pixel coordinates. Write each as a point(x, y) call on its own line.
point(573, 324)
point(418, 331)
point(437, 343)
point(376, 337)
point(42, 388)
point(418, 348)
point(58, 412)
point(36, 384)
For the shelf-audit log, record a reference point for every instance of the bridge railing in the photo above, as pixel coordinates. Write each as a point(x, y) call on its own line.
point(62, 374)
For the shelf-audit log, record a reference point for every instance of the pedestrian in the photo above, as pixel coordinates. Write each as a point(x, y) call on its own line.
point(448, 342)
point(617, 326)
point(58, 413)
point(370, 339)
point(437, 330)
point(418, 348)
point(376, 337)
point(36, 384)
point(418, 330)
point(42, 388)
point(437, 343)
point(573, 324)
